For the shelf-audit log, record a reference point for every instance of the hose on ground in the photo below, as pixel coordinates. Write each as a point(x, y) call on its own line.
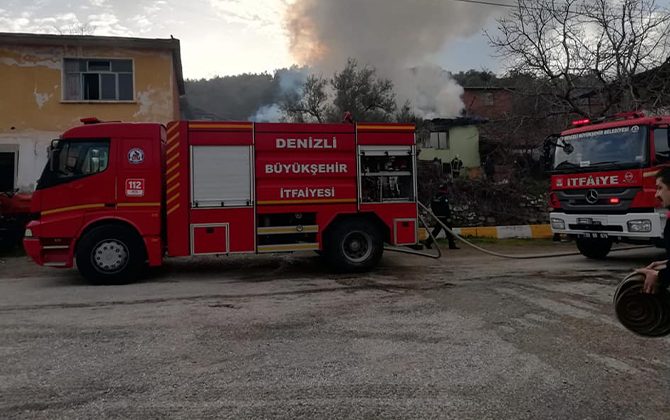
point(642, 313)
point(518, 257)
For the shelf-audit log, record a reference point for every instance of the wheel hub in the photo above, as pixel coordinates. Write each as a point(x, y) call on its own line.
point(357, 246)
point(110, 255)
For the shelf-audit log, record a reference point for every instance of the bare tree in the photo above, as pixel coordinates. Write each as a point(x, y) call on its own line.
point(355, 89)
point(310, 103)
point(592, 57)
point(76, 29)
point(361, 92)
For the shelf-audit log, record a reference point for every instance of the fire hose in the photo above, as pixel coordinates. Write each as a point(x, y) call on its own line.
point(643, 313)
point(486, 251)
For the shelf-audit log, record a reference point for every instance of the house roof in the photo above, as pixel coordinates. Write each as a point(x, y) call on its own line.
point(441, 124)
point(487, 88)
point(171, 44)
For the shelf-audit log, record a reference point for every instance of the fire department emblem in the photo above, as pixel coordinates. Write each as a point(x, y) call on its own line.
point(628, 177)
point(136, 155)
point(559, 182)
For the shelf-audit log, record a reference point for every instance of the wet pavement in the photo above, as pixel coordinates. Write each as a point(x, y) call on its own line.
point(466, 336)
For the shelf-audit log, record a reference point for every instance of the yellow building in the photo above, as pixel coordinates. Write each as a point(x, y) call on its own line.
point(50, 82)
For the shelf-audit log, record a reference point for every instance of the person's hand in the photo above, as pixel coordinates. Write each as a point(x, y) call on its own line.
point(650, 280)
point(658, 265)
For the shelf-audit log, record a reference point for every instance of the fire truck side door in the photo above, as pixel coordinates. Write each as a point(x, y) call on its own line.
point(80, 181)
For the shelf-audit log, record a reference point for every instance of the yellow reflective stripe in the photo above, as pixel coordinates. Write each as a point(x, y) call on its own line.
point(173, 209)
point(80, 207)
point(172, 159)
point(322, 200)
point(170, 200)
point(173, 127)
point(288, 247)
point(173, 177)
point(172, 188)
point(172, 138)
point(172, 148)
point(172, 168)
point(287, 229)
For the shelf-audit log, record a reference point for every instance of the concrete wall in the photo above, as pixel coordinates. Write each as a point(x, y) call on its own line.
point(33, 112)
point(463, 141)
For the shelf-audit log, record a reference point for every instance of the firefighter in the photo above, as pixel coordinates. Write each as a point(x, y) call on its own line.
point(441, 209)
point(456, 167)
point(657, 274)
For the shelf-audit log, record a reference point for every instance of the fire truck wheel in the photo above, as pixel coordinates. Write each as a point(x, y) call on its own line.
point(354, 245)
point(595, 248)
point(110, 255)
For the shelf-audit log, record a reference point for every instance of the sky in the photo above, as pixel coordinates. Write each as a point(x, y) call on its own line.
point(414, 43)
point(227, 37)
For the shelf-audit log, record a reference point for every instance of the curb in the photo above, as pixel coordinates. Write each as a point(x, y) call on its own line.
point(505, 232)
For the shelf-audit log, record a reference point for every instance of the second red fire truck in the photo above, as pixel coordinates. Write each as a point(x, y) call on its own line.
point(115, 197)
point(603, 181)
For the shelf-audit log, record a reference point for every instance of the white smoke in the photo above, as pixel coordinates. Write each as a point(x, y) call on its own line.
point(267, 113)
point(290, 81)
point(432, 91)
point(399, 38)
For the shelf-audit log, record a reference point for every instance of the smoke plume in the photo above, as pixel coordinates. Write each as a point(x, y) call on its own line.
point(290, 81)
point(400, 38)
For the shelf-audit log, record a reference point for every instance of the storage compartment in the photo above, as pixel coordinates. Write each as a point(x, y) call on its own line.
point(404, 231)
point(221, 176)
point(387, 174)
point(209, 239)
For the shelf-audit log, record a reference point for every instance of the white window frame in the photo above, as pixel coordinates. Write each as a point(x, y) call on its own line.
point(99, 72)
point(439, 138)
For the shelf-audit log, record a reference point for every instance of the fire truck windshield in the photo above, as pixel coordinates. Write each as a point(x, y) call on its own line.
point(612, 148)
point(73, 159)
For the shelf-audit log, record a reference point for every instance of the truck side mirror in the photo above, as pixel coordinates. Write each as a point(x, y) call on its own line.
point(548, 148)
point(54, 157)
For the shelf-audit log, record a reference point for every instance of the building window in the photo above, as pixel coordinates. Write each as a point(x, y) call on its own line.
point(7, 171)
point(439, 140)
point(488, 99)
point(98, 80)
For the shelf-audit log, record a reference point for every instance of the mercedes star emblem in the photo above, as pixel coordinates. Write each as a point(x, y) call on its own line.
point(592, 196)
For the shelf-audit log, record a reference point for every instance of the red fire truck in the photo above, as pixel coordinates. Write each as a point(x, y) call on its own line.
point(603, 184)
point(115, 197)
point(14, 215)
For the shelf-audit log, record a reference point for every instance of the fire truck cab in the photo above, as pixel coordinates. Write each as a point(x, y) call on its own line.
point(603, 181)
point(115, 197)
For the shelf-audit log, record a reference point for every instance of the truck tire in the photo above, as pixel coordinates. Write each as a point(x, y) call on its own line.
point(111, 254)
point(595, 248)
point(353, 245)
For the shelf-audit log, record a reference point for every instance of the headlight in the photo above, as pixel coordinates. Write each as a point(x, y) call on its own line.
point(28, 233)
point(643, 225)
point(557, 224)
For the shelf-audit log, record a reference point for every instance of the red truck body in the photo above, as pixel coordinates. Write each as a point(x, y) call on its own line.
point(198, 188)
point(14, 215)
point(603, 181)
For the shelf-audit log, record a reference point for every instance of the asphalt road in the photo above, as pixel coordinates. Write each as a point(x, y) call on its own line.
point(467, 336)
